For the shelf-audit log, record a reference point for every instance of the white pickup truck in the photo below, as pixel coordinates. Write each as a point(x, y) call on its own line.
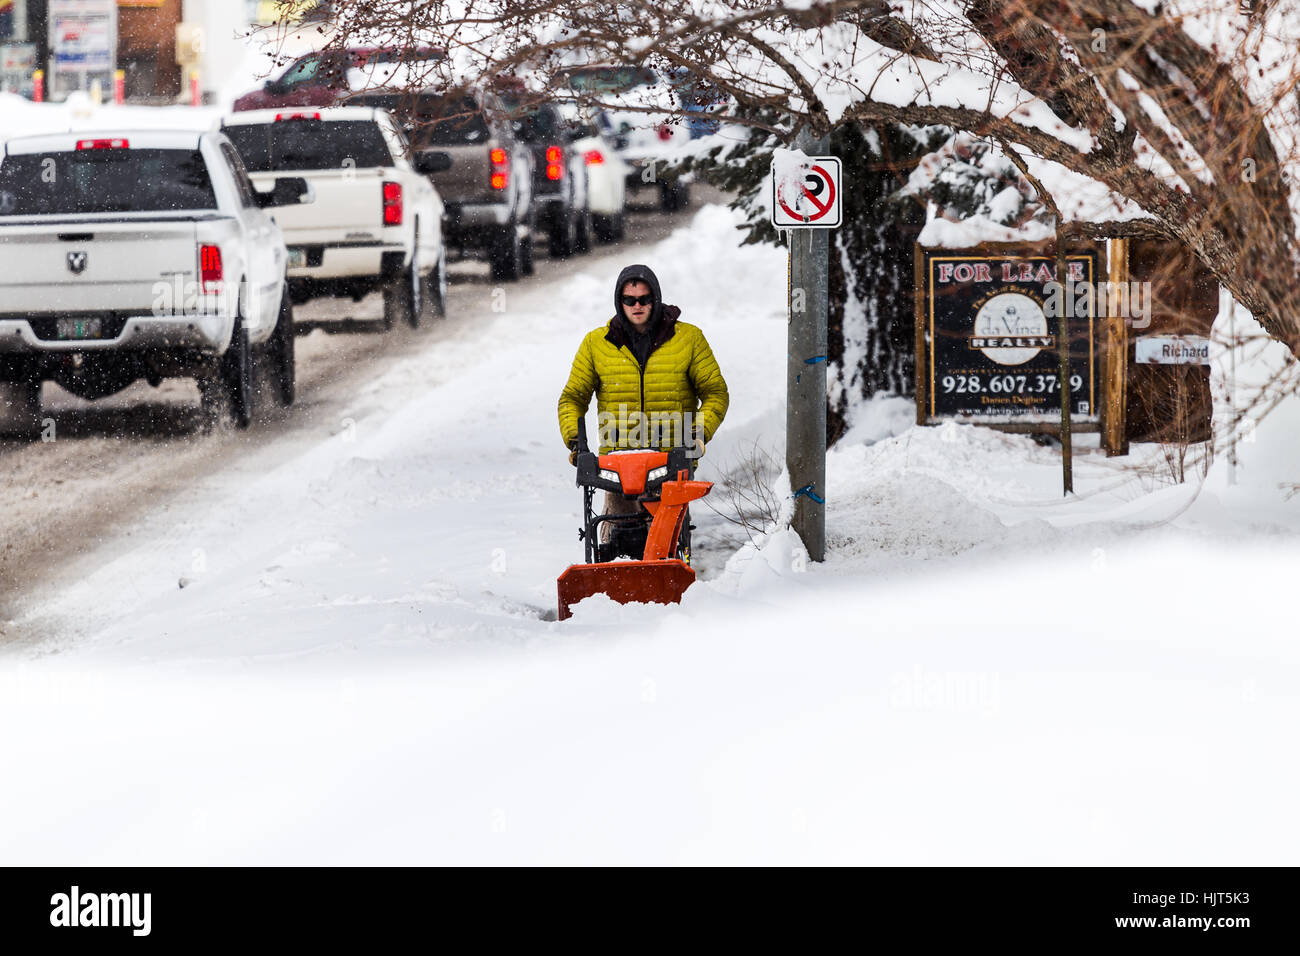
point(139, 254)
point(377, 220)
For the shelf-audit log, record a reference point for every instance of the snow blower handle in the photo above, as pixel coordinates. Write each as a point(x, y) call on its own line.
point(579, 450)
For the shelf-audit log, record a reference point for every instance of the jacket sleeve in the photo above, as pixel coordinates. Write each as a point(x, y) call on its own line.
point(710, 387)
point(577, 391)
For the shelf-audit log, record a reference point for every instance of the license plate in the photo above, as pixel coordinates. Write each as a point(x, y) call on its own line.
point(297, 258)
point(79, 328)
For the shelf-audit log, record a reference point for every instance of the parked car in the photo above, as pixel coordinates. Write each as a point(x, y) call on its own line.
point(606, 171)
point(488, 190)
point(639, 106)
point(559, 174)
point(703, 105)
point(377, 221)
point(141, 254)
point(321, 78)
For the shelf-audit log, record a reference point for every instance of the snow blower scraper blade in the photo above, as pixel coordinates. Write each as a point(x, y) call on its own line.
point(647, 582)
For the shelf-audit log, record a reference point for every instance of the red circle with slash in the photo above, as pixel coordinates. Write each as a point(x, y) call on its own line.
point(822, 182)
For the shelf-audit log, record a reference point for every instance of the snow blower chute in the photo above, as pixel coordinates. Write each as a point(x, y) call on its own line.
point(658, 539)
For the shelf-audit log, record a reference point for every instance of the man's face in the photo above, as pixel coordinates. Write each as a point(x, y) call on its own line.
point(637, 313)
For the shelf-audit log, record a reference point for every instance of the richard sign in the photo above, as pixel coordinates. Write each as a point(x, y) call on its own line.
point(988, 326)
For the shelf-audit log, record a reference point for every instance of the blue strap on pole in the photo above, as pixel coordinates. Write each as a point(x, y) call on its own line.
point(810, 361)
point(808, 490)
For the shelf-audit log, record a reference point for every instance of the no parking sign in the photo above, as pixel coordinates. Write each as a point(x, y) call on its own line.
point(806, 195)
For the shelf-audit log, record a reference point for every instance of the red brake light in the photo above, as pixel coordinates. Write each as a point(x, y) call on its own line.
point(593, 157)
point(281, 117)
point(392, 204)
point(500, 168)
point(554, 154)
point(210, 273)
point(103, 144)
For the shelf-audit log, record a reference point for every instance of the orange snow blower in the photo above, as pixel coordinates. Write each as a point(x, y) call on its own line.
point(658, 539)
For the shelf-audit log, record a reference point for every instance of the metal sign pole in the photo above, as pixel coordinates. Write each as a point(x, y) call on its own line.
point(805, 379)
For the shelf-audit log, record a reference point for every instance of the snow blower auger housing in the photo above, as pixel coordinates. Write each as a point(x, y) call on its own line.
point(658, 539)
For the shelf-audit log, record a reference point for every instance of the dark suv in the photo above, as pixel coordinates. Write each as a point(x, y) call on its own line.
point(488, 191)
point(559, 175)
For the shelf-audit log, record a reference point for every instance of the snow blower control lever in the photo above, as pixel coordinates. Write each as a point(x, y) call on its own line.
point(656, 536)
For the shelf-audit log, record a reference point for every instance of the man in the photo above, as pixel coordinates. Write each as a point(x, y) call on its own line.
point(656, 382)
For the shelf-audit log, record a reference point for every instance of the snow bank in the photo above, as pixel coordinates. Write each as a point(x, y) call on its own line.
point(361, 671)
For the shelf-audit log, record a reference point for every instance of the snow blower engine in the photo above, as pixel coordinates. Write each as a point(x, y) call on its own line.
point(657, 539)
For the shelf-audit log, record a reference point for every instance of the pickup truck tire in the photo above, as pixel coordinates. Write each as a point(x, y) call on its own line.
point(603, 227)
point(20, 409)
point(227, 390)
point(438, 287)
point(526, 265)
point(582, 235)
point(506, 254)
point(403, 299)
point(563, 239)
point(674, 196)
point(281, 353)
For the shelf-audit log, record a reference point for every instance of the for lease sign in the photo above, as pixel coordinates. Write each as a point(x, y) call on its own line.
point(989, 326)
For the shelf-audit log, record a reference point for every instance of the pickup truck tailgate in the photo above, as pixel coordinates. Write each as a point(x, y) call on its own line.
point(347, 202)
point(469, 179)
point(93, 265)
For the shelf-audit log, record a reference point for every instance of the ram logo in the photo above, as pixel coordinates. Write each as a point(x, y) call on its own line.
point(76, 263)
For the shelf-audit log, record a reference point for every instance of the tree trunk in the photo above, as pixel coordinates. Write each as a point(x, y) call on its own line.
point(870, 323)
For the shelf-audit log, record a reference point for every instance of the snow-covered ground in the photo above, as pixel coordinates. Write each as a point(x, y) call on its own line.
point(348, 658)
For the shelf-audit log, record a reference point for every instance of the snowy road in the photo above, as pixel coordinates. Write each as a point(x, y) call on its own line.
point(119, 461)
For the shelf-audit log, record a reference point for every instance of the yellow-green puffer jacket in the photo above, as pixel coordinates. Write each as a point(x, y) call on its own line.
point(681, 377)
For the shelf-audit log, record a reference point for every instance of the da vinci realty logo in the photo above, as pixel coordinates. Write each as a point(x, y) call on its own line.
point(1011, 328)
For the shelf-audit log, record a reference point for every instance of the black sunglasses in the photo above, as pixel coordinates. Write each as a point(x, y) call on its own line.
point(638, 300)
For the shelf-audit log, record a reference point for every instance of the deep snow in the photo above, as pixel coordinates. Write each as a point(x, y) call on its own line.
point(357, 667)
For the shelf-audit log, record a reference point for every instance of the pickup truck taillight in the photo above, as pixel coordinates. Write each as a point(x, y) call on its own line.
point(103, 144)
point(500, 168)
point(392, 204)
point(210, 274)
point(593, 157)
point(554, 162)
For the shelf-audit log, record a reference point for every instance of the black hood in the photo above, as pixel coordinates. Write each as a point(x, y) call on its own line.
point(643, 274)
point(663, 318)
